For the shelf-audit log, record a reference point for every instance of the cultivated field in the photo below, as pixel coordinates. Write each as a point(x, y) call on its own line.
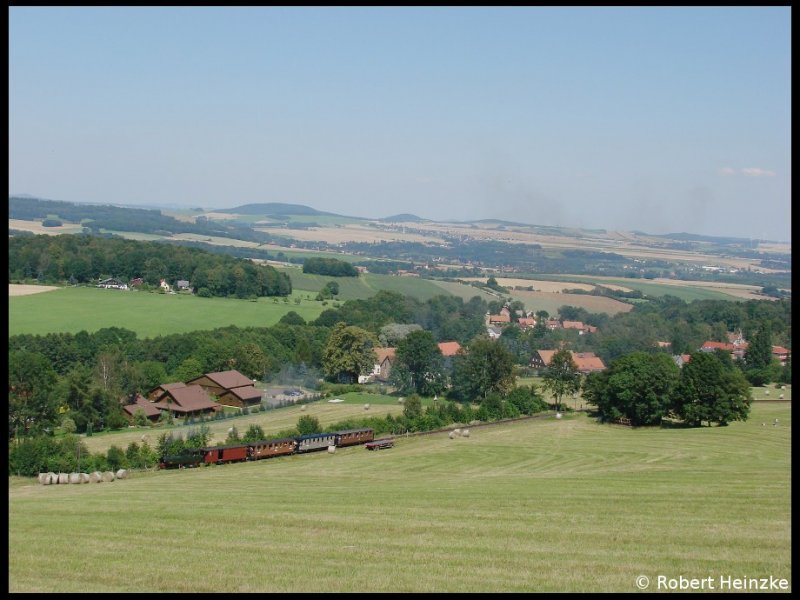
point(148, 314)
point(19, 289)
point(536, 301)
point(533, 506)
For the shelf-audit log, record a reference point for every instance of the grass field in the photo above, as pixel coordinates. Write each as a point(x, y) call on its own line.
point(148, 314)
point(534, 506)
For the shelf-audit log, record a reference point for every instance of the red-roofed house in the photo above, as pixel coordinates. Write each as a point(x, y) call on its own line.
point(383, 364)
point(158, 392)
point(526, 322)
point(781, 353)
point(449, 348)
point(500, 319)
point(587, 362)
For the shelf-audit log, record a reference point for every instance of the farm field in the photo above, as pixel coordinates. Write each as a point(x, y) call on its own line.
point(551, 302)
point(148, 314)
point(531, 506)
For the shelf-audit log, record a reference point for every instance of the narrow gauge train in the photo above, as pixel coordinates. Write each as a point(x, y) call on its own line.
point(266, 448)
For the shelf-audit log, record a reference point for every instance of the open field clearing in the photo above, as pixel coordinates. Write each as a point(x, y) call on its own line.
point(737, 290)
point(148, 314)
point(551, 287)
point(19, 289)
point(37, 227)
point(536, 301)
point(531, 506)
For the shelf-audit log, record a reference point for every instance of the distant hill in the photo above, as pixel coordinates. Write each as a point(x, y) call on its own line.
point(404, 218)
point(273, 208)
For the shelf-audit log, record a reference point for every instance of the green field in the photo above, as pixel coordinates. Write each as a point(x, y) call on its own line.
point(533, 506)
point(148, 314)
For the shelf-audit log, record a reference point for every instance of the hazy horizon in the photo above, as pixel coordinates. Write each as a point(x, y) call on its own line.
point(656, 119)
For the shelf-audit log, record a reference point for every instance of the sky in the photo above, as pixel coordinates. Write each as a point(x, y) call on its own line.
point(656, 119)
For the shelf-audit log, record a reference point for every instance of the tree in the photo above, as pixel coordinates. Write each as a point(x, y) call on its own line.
point(419, 353)
point(31, 406)
point(307, 424)
point(348, 353)
point(638, 386)
point(758, 357)
point(412, 407)
point(482, 368)
point(561, 376)
point(712, 391)
point(189, 369)
point(254, 433)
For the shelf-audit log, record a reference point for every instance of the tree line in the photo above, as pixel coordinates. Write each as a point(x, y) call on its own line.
point(83, 259)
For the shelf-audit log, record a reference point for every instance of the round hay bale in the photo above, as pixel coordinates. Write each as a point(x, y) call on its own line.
point(766, 392)
point(457, 431)
point(302, 408)
point(558, 415)
point(53, 477)
point(783, 387)
point(85, 478)
point(401, 400)
point(63, 478)
point(465, 433)
point(331, 449)
point(780, 397)
point(475, 422)
point(121, 474)
point(96, 477)
point(48, 479)
point(366, 407)
point(144, 437)
point(452, 435)
point(74, 477)
point(42, 477)
point(108, 476)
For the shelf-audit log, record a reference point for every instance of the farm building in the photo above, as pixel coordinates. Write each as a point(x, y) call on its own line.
point(158, 392)
point(140, 403)
point(230, 387)
point(383, 364)
point(112, 283)
point(587, 362)
point(187, 400)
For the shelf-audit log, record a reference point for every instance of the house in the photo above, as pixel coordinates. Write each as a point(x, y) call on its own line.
point(552, 324)
point(189, 400)
point(494, 332)
point(501, 319)
point(112, 283)
point(663, 344)
point(587, 362)
point(139, 403)
point(383, 364)
point(182, 284)
point(449, 348)
point(681, 359)
point(526, 322)
point(158, 392)
point(580, 326)
point(737, 350)
point(230, 388)
point(781, 353)
point(164, 285)
point(136, 282)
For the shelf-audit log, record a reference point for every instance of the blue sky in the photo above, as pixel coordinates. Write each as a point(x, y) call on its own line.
point(655, 119)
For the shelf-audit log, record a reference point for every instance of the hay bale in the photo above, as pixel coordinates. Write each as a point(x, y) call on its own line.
point(74, 477)
point(144, 437)
point(457, 431)
point(475, 422)
point(302, 408)
point(465, 433)
point(96, 477)
point(42, 477)
point(452, 435)
point(780, 397)
point(53, 477)
point(331, 449)
point(85, 478)
point(108, 476)
point(121, 474)
point(558, 415)
point(366, 407)
point(783, 387)
point(766, 392)
point(63, 478)
point(401, 400)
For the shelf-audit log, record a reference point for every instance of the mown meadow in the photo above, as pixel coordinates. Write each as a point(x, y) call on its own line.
point(539, 505)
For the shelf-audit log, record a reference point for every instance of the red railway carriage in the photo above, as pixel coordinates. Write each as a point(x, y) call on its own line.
point(225, 454)
point(352, 437)
point(268, 448)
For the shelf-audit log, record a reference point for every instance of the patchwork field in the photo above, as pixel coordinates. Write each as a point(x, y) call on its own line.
point(535, 506)
point(551, 302)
